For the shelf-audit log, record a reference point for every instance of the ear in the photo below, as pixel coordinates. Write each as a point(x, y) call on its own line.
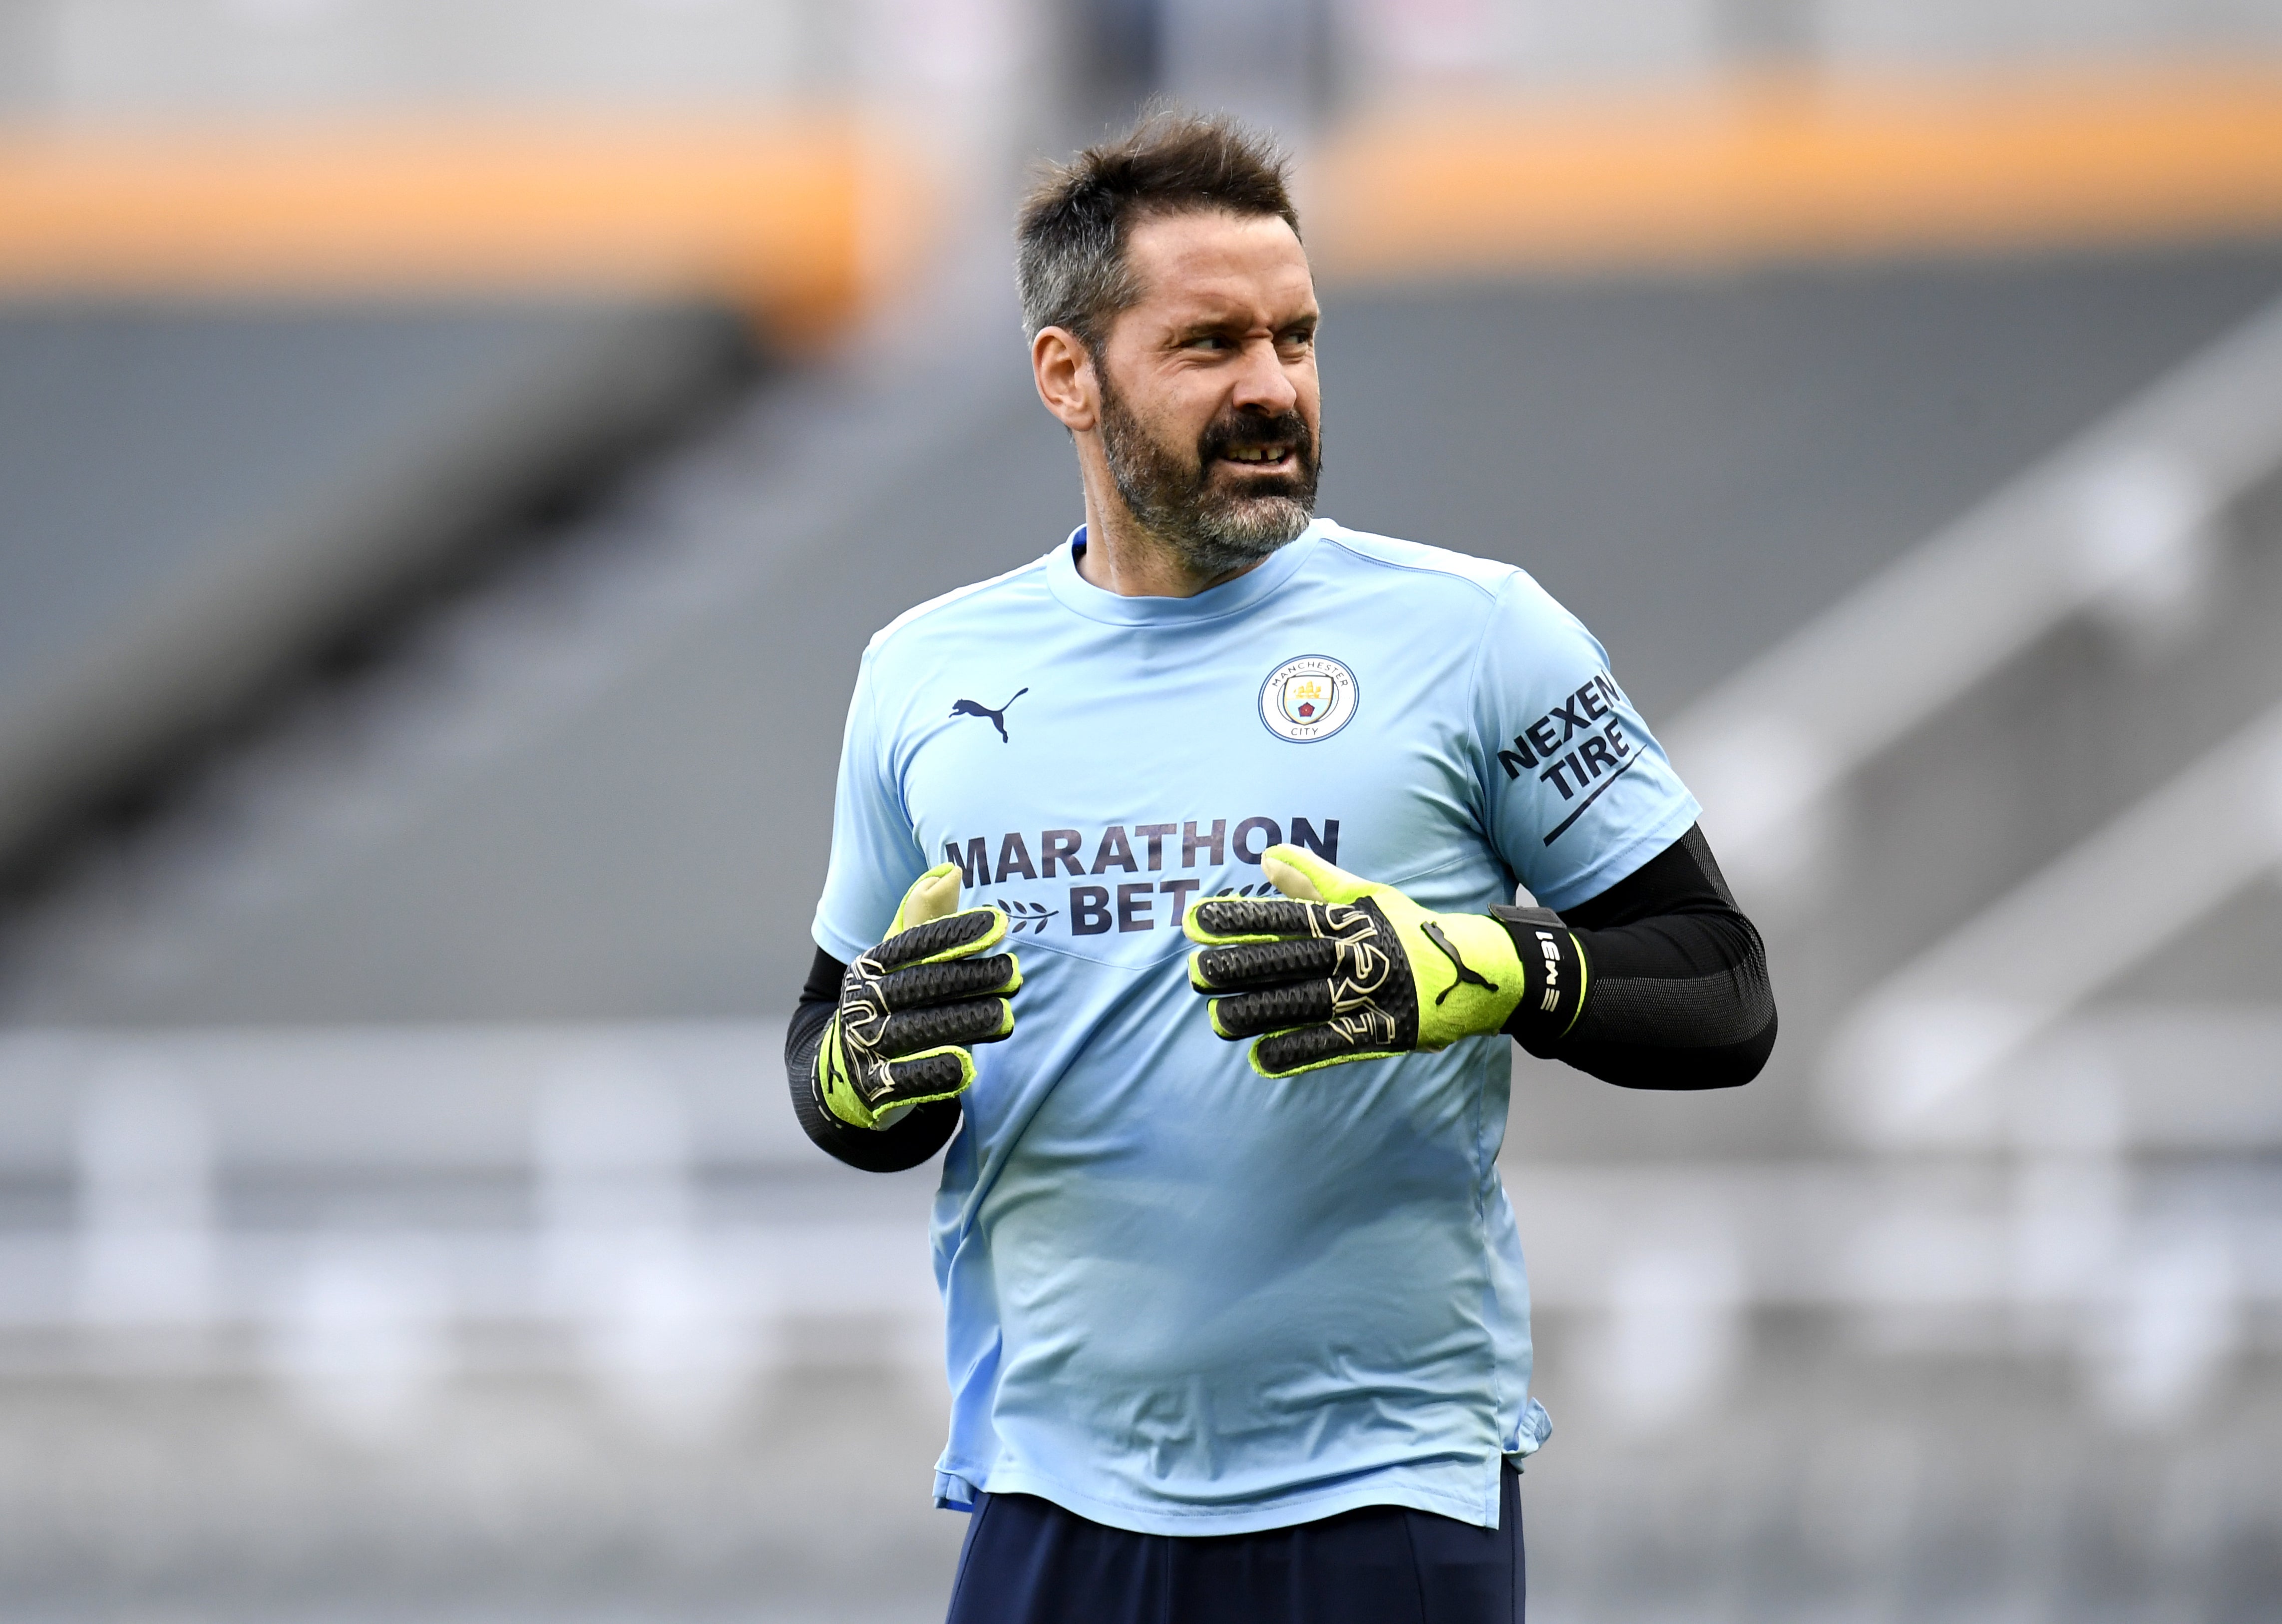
point(1064, 371)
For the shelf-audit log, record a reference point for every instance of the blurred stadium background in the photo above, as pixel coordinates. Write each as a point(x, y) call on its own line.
point(451, 453)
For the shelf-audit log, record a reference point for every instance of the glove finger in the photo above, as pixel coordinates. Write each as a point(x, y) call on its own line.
point(949, 979)
point(955, 936)
point(934, 895)
point(1300, 873)
point(1265, 963)
point(1232, 919)
point(1284, 1053)
point(936, 1075)
point(1249, 1014)
point(978, 1020)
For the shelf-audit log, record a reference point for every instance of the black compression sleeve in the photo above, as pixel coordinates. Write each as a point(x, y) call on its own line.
point(914, 1137)
point(1677, 993)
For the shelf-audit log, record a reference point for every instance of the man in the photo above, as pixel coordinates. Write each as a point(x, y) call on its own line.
point(1237, 1324)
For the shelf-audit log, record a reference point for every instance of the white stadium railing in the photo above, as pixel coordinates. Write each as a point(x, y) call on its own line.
point(654, 1220)
point(2119, 525)
point(1923, 1056)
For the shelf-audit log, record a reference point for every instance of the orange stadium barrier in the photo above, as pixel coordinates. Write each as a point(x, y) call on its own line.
point(1777, 167)
point(796, 219)
point(801, 217)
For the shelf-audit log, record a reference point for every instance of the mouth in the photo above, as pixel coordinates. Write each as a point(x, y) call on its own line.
point(1273, 457)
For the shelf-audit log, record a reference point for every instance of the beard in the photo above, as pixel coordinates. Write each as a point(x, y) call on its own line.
point(1214, 531)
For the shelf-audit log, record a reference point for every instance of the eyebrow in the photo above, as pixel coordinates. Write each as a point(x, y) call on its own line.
point(1208, 326)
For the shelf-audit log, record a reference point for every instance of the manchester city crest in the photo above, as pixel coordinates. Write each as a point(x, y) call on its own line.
point(1308, 698)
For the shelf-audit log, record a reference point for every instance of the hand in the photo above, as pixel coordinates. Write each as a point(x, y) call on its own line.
point(910, 1006)
point(1345, 969)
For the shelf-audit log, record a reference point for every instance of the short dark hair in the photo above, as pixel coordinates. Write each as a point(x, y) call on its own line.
point(1071, 238)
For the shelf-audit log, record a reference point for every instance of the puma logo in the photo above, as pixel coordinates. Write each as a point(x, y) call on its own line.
point(997, 718)
point(1466, 977)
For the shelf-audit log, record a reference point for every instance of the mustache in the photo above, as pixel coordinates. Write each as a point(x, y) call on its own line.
point(1227, 434)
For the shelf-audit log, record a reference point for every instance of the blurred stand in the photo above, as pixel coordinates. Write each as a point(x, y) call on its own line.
point(399, 1212)
point(1267, 61)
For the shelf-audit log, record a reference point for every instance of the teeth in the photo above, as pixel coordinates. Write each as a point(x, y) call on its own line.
point(1256, 453)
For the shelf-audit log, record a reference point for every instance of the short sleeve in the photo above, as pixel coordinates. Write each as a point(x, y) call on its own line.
point(874, 856)
point(1578, 790)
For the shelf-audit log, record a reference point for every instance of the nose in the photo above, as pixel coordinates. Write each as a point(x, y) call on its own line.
point(1261, 384)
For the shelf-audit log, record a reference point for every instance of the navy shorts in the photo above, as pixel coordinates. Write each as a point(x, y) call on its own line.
point(1028, 1561)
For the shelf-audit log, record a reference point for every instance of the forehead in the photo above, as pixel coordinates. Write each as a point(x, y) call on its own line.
point(1208, 262)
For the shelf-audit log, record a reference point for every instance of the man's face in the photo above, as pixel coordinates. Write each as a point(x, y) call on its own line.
point(1211, 414)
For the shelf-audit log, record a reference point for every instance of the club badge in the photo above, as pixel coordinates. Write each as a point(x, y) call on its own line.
point(1308, 698)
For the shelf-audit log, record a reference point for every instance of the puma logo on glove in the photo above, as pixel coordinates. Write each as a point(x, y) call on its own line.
point(1466, 977)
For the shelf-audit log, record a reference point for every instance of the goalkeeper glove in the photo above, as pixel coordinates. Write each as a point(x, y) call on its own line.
point(1345, 969)
point(910, 1007)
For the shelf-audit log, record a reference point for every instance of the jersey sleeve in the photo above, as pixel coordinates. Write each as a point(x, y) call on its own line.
point(1579, 794)
point(874, 855)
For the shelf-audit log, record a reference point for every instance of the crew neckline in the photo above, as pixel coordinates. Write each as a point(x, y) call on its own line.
point(1214, 603)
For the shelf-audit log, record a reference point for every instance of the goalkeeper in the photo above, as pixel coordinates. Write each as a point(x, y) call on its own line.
point(1173, 887)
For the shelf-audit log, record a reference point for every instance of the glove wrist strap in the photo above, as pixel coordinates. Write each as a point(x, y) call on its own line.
point(1553, 960)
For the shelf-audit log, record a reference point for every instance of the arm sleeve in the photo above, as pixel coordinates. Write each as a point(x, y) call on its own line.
point(908, 1141)
point(1676, 990)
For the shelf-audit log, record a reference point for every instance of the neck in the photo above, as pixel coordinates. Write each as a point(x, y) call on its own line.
point(1123, 556)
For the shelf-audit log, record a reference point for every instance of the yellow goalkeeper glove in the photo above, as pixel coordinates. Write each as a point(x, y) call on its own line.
point(910, 1008)
point(1339, 968)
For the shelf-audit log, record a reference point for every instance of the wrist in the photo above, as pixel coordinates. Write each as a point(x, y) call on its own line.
point(1557, 975)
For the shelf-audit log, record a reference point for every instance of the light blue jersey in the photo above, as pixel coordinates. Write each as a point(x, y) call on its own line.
point(1183, 1299)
